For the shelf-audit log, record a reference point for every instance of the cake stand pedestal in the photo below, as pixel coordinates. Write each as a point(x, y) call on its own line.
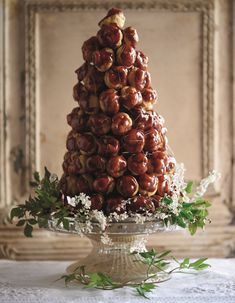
point(114, 258)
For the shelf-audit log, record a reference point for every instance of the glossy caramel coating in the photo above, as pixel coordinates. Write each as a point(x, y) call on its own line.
point(116, 16)
point(148, 184)
point(143, 119)
point(97, 202)
point(156, 199)
point(104, 184)
point(86, 143)
point(71, 141)
point(89, 103)
point(103, 59)
point(74, 163)
point(137, 164)
point(130, 97)
point(82, 71)
point(141, 60)
point(96, 164)
point(68, 185)
point(84, 183)
point(94, 80)
point(138, 78)
point(149, 98)
point(126, 55)
point(163, 186)
point(109, 101)
point(157, 163)
point(116, 204)
point(170, 164)
point(110, 36)
point(116, 77)
point(72, 185)
point(121, 123)
point(77, 119)
point(100, 124)
point(108, 146)
point(153, 140)
point(141, 205)
point(127, 186)
point(133, 141)
point(88, 47)
point(79, 91)
point(130, 36)
point(116, 166)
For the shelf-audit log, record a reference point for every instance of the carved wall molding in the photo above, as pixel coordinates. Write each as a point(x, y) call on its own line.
point(7, 252)
point(205, 8)
point(2, 108)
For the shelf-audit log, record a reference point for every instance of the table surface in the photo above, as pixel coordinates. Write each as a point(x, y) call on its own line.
point(34, 282)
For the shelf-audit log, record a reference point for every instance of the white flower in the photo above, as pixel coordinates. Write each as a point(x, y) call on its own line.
point(71, 201)
point(139, 218)
point(81, 198)
point(175, 203)
point(100, 217)
point(85, 200)
point(202, 188)
point(177, 183)
point(105, 239)
point(53, 178)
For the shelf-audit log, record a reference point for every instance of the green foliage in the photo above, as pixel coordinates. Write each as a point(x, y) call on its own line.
point(40, 208)
point(189, 187)
point(156, 262)
point(191, 215)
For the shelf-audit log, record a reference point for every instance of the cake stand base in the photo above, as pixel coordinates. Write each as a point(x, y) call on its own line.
point(116, 260)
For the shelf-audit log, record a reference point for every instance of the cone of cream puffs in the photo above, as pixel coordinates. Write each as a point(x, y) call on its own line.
point(117, 146)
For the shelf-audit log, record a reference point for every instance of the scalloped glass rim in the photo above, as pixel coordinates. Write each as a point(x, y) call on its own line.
point(127, 226)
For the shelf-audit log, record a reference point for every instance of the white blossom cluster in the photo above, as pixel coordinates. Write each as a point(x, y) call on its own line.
point(177, 186)
point(105, 239)
point(81, 198)
point(100, 217)
point(203, 185)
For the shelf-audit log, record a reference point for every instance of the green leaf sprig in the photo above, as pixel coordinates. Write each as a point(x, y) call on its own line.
point(40, 208)
point(156, 263)
point(191, 215)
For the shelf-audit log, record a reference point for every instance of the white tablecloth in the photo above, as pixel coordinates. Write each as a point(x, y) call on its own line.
point(34, 282)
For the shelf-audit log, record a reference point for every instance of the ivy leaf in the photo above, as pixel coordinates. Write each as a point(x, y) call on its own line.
point(148, 254)
point(192, 228)
point(28, 230)
point(185, 263)
point(36, 176)
point(167, 200)
point(65, 224)
point(199, 264)
point(32, 221)
point(47, 174)
point(16, 212)
point(165, 253)
point(145, 288)
point(20, 223)
point(189, 187)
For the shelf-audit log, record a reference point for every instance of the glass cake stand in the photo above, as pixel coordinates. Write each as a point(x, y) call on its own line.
point(114, 257)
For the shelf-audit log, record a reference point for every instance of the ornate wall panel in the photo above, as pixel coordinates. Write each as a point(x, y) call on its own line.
point(190, 67)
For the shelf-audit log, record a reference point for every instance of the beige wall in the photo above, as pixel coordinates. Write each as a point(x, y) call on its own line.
point(189, 44)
